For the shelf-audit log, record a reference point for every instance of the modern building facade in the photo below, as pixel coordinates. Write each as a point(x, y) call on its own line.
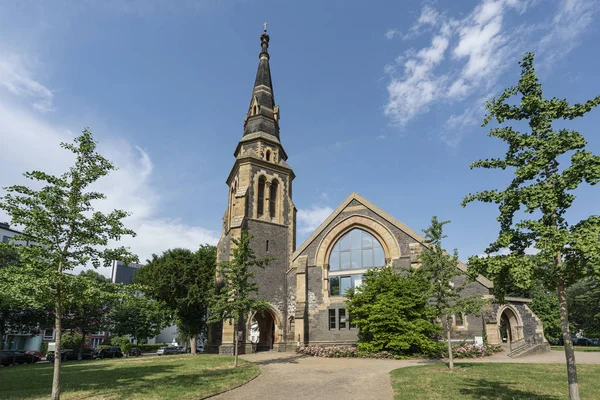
point(305, 286)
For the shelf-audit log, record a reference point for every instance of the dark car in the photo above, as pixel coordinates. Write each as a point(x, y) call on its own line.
point(582, 342)
point(135, 352)
point(9, 357)
point(87, 354)
point(109, 352)
point(34, 354)
point(595, 342)
point(66, 354)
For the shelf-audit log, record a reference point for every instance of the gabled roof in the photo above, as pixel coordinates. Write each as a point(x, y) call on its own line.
point(389, 218)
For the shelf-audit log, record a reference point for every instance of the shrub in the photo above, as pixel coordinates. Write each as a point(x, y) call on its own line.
point(340, 352)
point(469, 350)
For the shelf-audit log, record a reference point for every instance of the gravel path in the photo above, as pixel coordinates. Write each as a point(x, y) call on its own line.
point(289, 376)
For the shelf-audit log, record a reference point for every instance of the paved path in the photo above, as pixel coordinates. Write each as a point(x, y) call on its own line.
point(286, 376)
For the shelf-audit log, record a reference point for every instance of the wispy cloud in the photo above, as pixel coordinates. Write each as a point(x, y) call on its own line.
point(310, 219)
point(16, 77)
point(467, 56)
point(31, 142)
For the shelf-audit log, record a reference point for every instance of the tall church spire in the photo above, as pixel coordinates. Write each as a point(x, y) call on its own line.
point(263, 114)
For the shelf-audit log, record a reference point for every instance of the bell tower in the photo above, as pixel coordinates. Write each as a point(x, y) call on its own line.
point(260, 200)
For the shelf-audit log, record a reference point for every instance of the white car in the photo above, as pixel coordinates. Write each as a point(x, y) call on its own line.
point(164, 351)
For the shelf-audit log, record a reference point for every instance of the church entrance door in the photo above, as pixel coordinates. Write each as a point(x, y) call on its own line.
point(266, 330)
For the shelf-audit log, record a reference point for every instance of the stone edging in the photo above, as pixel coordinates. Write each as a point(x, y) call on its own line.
point(232, 388)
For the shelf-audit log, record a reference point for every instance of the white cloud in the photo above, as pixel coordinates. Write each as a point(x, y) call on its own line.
point(571, 20)
point(310, 219)
point(392, 33)
point(30, 142)
point(16, 78)
point(481, 44)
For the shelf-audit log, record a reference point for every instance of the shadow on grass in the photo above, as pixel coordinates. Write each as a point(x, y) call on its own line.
point(485, 389)
point(122, 382)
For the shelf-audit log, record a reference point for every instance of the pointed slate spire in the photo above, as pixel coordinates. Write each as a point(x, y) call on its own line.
point(263, 114)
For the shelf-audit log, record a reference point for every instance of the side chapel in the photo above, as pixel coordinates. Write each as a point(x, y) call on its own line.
point(305, 286)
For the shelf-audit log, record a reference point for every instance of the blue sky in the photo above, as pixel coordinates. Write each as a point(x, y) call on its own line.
point(384, 98)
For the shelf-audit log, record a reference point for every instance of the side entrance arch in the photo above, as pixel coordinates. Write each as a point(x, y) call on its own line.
point(510, 327)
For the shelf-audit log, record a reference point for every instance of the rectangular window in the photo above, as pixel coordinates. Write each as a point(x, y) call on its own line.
point(345, 256)
point(342, 315)
point(331, 319)
point(356, 263)
point(334, 261)
point(345, 284)
point(334, 286)
point(5, 239)
point(458, 319)
point(49, 334)
point(357, 280)
point(367, 258)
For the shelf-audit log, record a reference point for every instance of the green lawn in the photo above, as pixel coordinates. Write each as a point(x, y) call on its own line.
point(165, 377)
point(497, 381)
point(577, 348)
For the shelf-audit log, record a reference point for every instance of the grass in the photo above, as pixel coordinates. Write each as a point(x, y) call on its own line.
point(577, 348)
point(498, 381)
point(166, 377)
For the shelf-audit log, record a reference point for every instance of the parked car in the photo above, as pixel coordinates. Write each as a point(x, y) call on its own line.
point(10, 357)
point(135, 352)
point(34, 354)
point(166, 350)
point(595, 342)
point(109, 352)
point(582, 342)
point(87, 354)
point(65, 355)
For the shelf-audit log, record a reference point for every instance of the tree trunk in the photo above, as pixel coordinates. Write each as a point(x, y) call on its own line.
point(449, 338)
point(193, 344)
point(235, 350)
point(569, 352)
point(80, 355)
point(58, 346)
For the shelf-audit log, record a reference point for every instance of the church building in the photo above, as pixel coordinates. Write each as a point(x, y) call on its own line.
point(305, 286)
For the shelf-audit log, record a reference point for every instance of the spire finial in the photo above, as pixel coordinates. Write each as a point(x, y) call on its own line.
point(265, 27)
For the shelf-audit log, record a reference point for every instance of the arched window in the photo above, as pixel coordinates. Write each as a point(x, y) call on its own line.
point(273, 198)
point(261, 196)
point(268, 155)
point(355, 250)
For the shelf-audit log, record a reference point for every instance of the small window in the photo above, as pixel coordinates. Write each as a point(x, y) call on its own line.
point(342, 315)
point(268, 155)
point(458, 319)
point(261, 196)
point(5, 239)
point(334, 285)
point(49, 334)
point(267, 246)
point(331, 319)
point(273, 199)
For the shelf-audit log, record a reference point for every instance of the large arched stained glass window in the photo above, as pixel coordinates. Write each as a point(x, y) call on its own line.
point(357, 249)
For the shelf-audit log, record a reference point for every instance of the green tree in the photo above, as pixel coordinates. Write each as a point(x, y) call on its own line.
point(88, 304)
point(442, 270)
point(533, 206)
point(584, 307)
point(185, 282)
point(392, 311)
point(16, 316)
point(235, 297)
point(136, 315)
point(72, 340)
point(58, 217)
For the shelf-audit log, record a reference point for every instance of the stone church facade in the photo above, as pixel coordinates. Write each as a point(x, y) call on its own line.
point(305, 286)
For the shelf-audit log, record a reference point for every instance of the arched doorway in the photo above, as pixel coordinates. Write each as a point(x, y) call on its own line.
point(262, 331)
point(510, 330)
